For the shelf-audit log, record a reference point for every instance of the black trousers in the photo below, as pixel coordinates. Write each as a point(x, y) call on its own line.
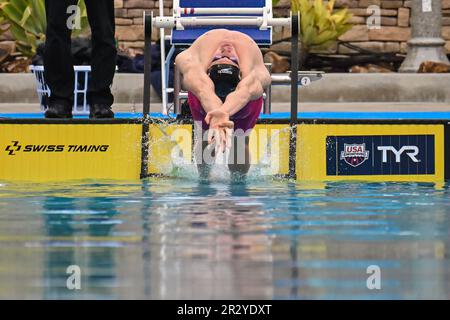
point(58, 64)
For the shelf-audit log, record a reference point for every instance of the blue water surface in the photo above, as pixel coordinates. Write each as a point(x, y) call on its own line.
point(178, 238)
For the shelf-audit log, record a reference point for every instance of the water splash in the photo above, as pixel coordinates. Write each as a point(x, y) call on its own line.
point(180, 162)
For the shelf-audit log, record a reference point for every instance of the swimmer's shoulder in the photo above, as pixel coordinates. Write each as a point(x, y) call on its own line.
point(187, 59)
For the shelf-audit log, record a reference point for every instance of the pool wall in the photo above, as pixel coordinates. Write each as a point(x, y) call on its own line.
point(325, 150)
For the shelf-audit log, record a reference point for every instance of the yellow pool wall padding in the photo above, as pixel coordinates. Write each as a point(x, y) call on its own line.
point(311, 149)
point(122, 160)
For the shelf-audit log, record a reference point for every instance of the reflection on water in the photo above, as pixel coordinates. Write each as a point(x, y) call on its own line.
point(264, 239)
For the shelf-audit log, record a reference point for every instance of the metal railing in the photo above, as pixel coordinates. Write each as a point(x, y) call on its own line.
point(81, 83)
point(182, 17)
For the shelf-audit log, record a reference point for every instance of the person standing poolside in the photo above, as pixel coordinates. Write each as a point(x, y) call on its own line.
point(225, 76)
point(58, 65)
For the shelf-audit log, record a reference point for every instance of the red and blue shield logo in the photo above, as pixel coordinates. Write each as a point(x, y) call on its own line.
point(354, 154)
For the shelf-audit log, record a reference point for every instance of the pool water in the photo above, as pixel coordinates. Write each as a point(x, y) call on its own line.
point(179, 238)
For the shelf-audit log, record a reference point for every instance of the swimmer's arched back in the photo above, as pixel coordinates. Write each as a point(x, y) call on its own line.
point(248, 51)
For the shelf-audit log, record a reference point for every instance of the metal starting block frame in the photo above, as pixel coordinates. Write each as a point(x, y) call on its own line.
point(192, 18)
point(187, 23)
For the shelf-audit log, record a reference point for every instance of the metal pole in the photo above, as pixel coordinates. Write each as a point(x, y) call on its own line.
point(171, 22)
point(268, 99)
point(294, 94)
point(147, 94)
point(147, 63)
point(426, 43)
point(189, 11)
point(176, 90)
point(163, 60)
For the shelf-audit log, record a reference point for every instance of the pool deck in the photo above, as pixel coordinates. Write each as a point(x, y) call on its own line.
point(336, 111)
point(387, 107)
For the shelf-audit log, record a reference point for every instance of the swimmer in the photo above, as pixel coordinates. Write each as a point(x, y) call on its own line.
point(225, 76)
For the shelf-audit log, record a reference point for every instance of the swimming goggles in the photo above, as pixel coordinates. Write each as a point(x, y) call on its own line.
point(232, 59)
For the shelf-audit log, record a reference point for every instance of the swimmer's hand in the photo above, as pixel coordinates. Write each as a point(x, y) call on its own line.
point(221, 128)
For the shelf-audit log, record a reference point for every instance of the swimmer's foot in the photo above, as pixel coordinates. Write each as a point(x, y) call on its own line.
point(100, 111)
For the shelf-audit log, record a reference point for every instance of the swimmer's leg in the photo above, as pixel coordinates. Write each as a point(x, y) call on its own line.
point(204, 156)
point(239, 161)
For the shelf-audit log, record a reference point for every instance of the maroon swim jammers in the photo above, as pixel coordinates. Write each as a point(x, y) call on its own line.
point(244, 119)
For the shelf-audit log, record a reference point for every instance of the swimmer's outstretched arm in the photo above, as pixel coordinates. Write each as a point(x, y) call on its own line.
point(250, 88)
point(196, 80)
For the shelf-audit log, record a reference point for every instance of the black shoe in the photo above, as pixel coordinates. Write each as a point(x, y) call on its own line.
point(58, 111)
point(100, 111)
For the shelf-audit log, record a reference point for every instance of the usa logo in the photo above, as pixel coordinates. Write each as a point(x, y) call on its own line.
point(354, 154)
